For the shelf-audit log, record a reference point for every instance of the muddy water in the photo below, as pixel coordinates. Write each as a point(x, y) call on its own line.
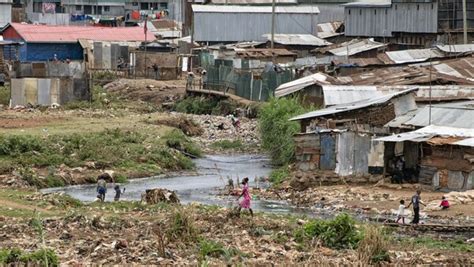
point(201, 187)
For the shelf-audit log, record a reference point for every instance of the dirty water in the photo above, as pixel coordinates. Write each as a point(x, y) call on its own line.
point(211, 175)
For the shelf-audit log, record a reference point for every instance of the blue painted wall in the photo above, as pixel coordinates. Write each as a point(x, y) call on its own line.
point(46, 51)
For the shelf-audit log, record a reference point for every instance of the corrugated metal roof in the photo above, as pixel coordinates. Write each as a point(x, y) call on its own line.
point(445, 115)
point(296, 85)
point(249, 2)
point(297, 39)
point(432, 132)
point(466, 142)
point(71, 34)
point(352, 106)
point(368, 3)
point(447, 131)
point(343, 94)
point(304, 9)
point(413, 55)
point(264, 53)
point(458, 48)
point(329, 29)
point(356, 47)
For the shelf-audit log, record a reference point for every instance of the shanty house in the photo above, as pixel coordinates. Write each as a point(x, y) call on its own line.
point(340, 138)
point(42, 42)
point(235, 23)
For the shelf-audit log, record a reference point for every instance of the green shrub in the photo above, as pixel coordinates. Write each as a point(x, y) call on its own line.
point(339, 233)
point(196, 105)
point(4, 96)
point(277, 131)
point(210, 248)
point(53, 181)
point(178, 140)
point(279, 175)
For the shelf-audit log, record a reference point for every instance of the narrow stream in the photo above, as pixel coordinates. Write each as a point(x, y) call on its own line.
point(212, 174)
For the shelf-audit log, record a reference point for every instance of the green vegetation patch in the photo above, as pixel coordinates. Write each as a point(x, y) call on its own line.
point(279, 175)
point(4, 96)
point(339, 233)
point(228, 145)
point(444, 244)
point(205, 105)
point(39, 257)
point(277, 131)
point(127, 151)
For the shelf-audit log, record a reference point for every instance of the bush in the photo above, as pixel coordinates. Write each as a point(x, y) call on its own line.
point(338, 233)
point(277, 131)
point(4, 96)
point(279, 175)
point(178, 140)
point(196, 105)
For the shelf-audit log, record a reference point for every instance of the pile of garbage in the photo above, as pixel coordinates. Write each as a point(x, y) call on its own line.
point(157, 195)
point(218, 128)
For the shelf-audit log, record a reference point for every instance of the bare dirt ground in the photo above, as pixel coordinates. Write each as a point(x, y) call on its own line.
point(147, 90)
point(379, 199)
point(164, 234)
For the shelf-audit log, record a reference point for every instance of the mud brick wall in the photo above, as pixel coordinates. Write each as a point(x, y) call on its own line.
point(447, 157)
point(376, 116)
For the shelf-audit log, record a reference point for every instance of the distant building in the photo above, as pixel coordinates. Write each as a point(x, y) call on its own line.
point(233, 23)
point(43, 42)
point(408, 22)
point(5, 12)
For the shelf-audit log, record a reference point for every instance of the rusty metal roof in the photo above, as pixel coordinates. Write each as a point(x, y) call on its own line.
point(352, 106)
point(264, 53)
point(355, 47)
point(330, 29)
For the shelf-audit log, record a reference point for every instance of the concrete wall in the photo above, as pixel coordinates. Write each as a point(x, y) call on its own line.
point(49, 19)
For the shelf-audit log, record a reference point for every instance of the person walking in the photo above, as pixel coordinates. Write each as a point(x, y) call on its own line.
point(401, 212)
point(245, 203)
point(101, 187)
point(416, 201)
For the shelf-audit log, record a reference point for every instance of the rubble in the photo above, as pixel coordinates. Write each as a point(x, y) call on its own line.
point(218, 128)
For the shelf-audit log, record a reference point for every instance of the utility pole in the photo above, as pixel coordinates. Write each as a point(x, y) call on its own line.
point(273, 25)
point(464, 19)
point(146, 44)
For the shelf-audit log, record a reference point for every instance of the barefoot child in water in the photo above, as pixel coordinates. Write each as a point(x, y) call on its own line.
point(246, 194)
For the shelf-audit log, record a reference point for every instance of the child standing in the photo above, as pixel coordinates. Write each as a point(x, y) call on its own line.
point(118, 192)
point(246, 194)
point(444, 203)
point(401, 212)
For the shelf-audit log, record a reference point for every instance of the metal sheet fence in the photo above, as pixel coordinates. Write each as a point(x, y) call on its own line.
point(244, 83)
